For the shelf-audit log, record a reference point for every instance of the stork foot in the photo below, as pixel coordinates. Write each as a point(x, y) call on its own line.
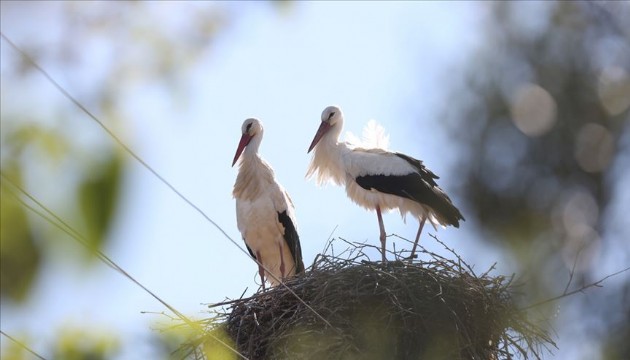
point(411, 257)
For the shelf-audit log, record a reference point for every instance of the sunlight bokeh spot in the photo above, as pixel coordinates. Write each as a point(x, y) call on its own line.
point(533, 110)
point(582, 248)
point(580, 215)
point(594, 147)
point(614, 90)
point(579, 209)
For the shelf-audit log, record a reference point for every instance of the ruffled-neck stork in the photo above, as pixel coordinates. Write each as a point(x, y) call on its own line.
point(379, 180)
point(265, 214)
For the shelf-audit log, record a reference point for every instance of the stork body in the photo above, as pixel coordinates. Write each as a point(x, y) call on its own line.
point(379, 180)
point(265, 214)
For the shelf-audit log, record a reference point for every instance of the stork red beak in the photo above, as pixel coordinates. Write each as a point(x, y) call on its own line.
point(323, 129)
point(245, 139)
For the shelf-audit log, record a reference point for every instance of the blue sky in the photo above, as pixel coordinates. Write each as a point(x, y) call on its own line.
point(377, 60)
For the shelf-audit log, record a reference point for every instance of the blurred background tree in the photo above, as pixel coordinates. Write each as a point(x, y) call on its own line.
point(541, 119)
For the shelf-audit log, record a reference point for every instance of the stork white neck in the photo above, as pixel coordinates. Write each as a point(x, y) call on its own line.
point(250, 153)
point(253, 173)
point(327, 161)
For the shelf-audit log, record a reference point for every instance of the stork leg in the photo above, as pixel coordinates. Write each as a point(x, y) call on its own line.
point(415, 244)
point(382, 228)
point(261, 270)
point(282, 268)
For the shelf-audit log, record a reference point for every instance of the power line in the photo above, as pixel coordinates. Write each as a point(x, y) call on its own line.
point(22, 345)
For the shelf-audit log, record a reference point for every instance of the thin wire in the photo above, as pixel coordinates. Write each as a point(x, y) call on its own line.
point(22, 345)
point(63, 226)
point(154, 172)
point(117, 139)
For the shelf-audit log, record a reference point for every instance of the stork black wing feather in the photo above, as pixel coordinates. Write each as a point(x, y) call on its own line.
point(425, 173)
point(250, 250)
point(293, 241)
point(419, 186)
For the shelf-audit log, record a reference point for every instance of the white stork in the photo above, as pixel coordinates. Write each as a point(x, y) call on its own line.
point(378, 179)
point(264, 211)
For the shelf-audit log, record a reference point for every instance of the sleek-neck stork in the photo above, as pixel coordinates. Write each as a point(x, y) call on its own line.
point(378, 179)
point(264, 211)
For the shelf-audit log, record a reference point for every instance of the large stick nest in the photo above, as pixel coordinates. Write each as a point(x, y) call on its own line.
point(347, 307)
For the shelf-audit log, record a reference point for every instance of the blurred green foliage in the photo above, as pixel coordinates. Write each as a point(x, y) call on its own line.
point(50, 144)
point(15, 351)
point(97, 192)
point(71, 343)
point(20, 257)
point(57, 153)
point(84, 344)
point(216, 349)
point(44, 143)
point(183, 342)
point(21, 254)
point(98, 197)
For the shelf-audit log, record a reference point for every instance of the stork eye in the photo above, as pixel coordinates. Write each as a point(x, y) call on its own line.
point(331, 115)
point(249, 126)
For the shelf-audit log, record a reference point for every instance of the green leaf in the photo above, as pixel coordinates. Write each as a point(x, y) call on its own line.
point(98, 197)
point(85, 343)
point(20, 258)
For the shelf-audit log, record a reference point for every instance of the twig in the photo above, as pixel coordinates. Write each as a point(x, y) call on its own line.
point(230, 302)
point(575, 261)
point(329, 240)
point(567, 294)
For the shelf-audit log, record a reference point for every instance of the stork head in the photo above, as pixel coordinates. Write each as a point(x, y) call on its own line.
point(250, 129)
point(331, 116)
